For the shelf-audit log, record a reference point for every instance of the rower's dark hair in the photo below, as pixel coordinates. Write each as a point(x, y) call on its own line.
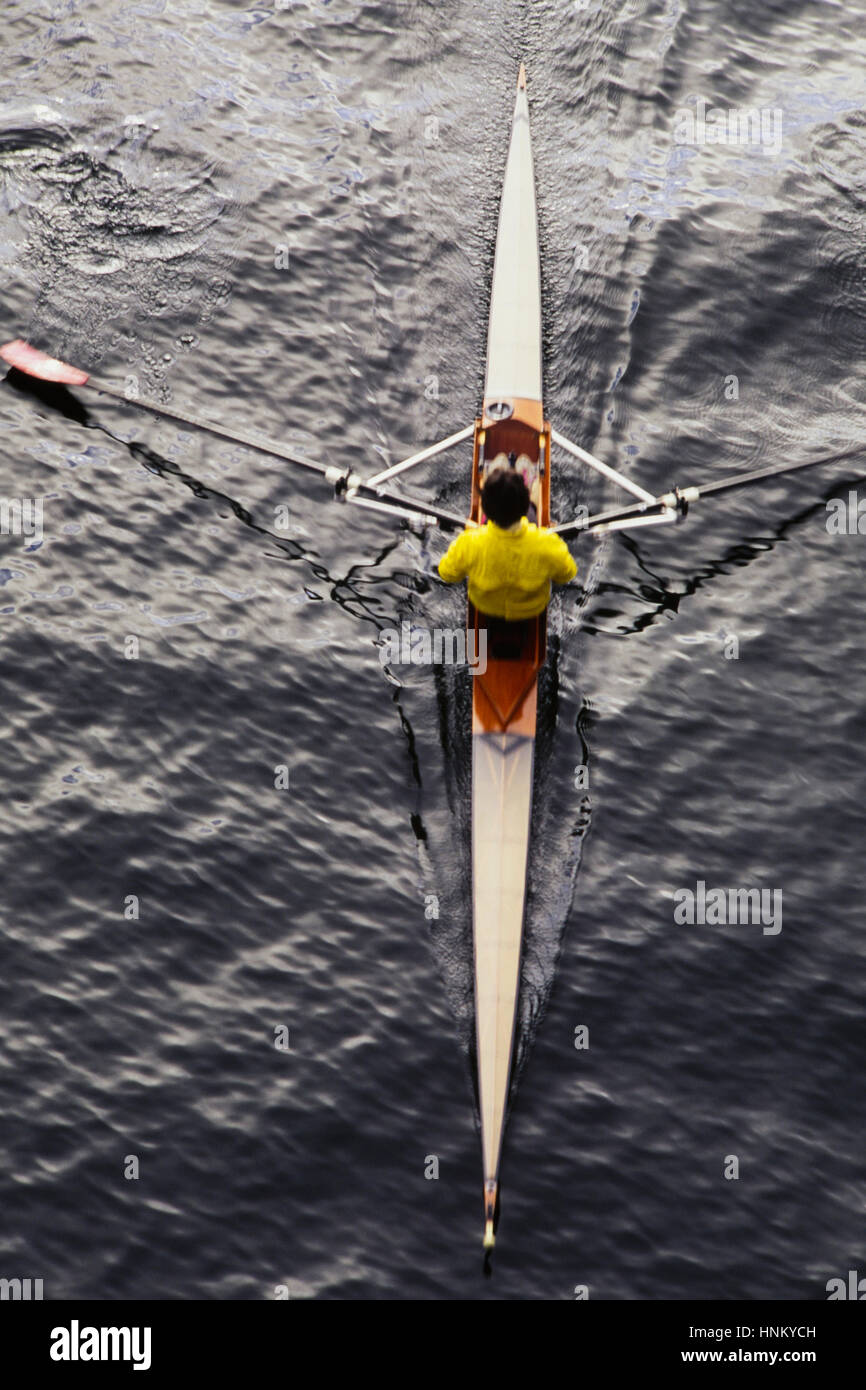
point(505, 496)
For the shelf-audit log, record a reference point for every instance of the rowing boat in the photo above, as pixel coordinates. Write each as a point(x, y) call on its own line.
point(511, 429)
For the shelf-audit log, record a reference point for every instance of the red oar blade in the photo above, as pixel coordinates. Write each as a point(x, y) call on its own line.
point(35, 363)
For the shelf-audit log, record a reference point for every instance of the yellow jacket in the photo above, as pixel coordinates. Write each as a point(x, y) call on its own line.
point(509, 572)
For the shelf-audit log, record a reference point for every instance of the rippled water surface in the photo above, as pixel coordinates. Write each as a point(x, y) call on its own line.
point(284, 218)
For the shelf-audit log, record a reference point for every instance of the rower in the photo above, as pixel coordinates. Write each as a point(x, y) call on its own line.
point(509, 562)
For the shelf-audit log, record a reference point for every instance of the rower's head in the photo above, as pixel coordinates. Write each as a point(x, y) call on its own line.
point(505, 497)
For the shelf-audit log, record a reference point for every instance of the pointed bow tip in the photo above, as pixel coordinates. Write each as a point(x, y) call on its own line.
point(521, 78)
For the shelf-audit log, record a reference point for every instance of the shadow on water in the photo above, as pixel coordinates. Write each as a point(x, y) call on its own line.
point(662, 601)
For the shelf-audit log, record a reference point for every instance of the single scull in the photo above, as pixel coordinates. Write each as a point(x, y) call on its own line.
point(512, 427)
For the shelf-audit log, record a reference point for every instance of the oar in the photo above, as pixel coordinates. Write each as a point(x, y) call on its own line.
point(676, 503)
point(35, 363)
point(38, 364)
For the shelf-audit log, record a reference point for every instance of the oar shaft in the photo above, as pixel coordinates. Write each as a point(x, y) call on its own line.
point(745, 479)
point(633, 515)
point(405, 505)
point(252, 441)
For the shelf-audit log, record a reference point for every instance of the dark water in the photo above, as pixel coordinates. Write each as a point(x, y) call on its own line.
point(157, 164)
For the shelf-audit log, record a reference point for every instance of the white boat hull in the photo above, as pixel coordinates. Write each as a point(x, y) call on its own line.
point(501, 809)
point(512, 427)
point(514, 330)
